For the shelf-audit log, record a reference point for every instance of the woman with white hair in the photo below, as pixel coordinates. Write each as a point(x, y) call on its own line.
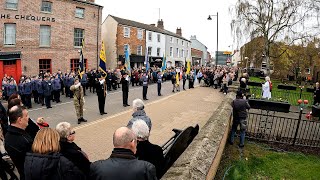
point(266, 93)
point(139, 113)
point(70, 150)
point(145, 150)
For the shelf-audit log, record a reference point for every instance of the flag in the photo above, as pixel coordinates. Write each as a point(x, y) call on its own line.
point(103, 60)
point(164, 63)
point(146, 60)
point(81, 69)
point(177, 78)
point(188, 66)
point(127, 61)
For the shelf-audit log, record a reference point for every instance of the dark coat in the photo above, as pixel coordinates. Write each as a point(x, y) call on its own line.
point(240, 107)
point(140, 114)
point(47, 88)
point(122, 165)
point(151, 153)
point(125, 85)
point(72, 152)
point(100, 88)
point(17, 143)
point(52, 166)
point(32, 128)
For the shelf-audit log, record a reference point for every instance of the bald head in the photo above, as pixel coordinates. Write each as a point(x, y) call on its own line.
point(122, 138)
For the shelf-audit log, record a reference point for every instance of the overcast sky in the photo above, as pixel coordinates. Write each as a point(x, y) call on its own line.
point(191, 17)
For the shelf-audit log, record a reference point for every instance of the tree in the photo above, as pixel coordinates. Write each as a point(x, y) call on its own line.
point(275, 21)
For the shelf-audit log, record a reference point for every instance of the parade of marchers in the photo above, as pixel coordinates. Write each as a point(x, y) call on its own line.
point(32, 149)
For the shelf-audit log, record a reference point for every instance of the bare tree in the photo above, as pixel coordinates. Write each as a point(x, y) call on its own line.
point(275, 21)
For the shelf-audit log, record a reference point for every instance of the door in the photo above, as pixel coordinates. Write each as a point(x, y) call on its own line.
point(10, 68)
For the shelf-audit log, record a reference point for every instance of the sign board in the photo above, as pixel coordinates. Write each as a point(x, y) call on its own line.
point(227, 52)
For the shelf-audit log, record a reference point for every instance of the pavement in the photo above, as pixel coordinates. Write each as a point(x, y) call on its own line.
point(174, 110)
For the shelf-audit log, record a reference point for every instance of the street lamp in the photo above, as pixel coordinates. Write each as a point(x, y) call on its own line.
point(209, 18)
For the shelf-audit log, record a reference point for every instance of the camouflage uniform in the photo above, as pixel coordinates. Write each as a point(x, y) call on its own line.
point(78, 100)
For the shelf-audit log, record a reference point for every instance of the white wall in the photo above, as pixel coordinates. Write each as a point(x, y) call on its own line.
point(155, 44)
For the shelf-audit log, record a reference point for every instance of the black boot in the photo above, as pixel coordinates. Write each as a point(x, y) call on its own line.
point(79, 121)
point(83, 120)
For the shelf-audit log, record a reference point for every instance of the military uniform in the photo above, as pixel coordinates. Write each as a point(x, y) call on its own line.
point(78, 101)
point(145, 87)
point(101, 92)
point(125, 90)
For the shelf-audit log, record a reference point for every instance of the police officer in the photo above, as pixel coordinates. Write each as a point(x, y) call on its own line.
point(145, 86)
point(78, 100)
point(101, 92)
point(125, 89)
point(47, 89)
point(159, 77)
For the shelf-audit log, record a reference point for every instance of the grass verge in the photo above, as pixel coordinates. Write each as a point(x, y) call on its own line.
point(258, 161)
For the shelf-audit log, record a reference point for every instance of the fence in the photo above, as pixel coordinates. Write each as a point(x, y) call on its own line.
point(278, 127)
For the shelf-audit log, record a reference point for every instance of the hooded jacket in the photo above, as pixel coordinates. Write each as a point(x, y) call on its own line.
point(140, 114)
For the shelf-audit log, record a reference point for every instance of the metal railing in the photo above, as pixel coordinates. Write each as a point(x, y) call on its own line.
point(285, 128)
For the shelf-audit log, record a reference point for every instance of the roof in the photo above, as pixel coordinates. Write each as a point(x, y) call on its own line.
point(87, 2)
point(146, 26)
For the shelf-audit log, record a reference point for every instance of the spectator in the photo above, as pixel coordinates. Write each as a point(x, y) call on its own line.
point(70, 150)
point(17, 141)
point(316, 94)
point(139, 113)
point(145, 150)
point(45, 161)
point(240, 114)
point(122, 164)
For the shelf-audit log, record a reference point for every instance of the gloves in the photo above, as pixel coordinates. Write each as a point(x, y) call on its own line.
point(102, 81)
point(78, 85)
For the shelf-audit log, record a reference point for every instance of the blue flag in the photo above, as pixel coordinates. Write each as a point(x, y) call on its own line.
point(103, 60)
point(81, 69)
point(146, 60)
point(164, 63)
point(127, 61)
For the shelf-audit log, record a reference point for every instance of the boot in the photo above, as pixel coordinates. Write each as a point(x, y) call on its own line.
point(79, 121)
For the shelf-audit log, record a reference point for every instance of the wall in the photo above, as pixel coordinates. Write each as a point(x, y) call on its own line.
point(174, 45)
point(155, 44)
point(62, 21)
point(196, 44)
point(201, 159)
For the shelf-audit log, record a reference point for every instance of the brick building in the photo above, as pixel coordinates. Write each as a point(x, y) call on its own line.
point(46, 35)
point(196, 56)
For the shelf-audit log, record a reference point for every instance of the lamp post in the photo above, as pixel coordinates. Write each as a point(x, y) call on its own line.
point(209, 18)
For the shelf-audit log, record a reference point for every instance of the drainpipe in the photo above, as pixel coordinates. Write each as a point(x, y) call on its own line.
point(98, 37)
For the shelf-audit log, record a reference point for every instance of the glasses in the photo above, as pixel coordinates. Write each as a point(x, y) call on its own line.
point(72, 133)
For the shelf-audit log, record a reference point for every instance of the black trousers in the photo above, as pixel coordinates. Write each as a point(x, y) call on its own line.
point(101, 101)
point(56, 94)
point(28, 100)
point(84, 86)
point(41, 99)
point(35, 96)
point(159, 89)
point(125, 97)
point(184, 83)
point(144, 92)
point(47, 100)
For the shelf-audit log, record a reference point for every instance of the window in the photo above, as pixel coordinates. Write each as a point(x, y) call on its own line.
point(187, 54)
point(74, 64)
point(171, 51)
point(177, 52)
point(126, 32)
point(125, 48)
point(45, 35)
point(9, 34)
point(140, 34)
point(150, 36)
point(182, 43)
point(158, 51)
point(177, 41)
point(46, 6)
point(171, 39)
point(9, 62)
point(139, 50)
point(149, 51)
point(12, 4)
point(158, 36)
point(78, 36)
point(79, 12)
point(45, 65)
point(187, 44)
point(182, 53)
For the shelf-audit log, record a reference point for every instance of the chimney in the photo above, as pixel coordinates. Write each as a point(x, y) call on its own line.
point(153, 25)
point(179, 32)
point(160, 24)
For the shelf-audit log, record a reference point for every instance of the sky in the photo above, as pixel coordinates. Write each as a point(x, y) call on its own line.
point(191, 17)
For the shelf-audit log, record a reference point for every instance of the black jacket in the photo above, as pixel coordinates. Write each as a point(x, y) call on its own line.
point(17, 143)
point(122, 165)
point(151, 153)
point(100, 88)
point(52, 166)
point(125, 85)
point(72, 152)
point(32, 128)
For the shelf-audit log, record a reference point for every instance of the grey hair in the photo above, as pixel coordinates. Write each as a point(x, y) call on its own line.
point(138, 104)
point(267, 78)
point(140, 129)
point(63, 129)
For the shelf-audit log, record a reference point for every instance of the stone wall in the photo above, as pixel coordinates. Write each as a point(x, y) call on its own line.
point(201, 159)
